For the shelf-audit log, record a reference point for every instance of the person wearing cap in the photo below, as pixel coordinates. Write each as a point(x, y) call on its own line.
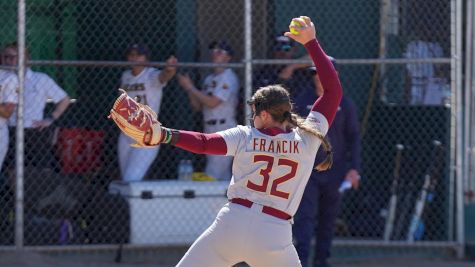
point(217, 99)
point(322, 198)
point(146, 84)
point(293, 76)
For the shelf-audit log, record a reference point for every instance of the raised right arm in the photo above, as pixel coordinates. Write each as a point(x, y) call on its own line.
point(328, 103)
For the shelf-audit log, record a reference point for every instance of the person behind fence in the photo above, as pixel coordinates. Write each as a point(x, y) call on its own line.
point(146, 84)
point(218, 99)
point(38, 126)
point(8, 101)
point(322, 198)
point(273, 160)
point(425, 82)
point(293, 76)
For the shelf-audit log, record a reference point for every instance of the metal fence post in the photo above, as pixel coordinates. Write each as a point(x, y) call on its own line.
point(247, 56)
point(19, 129)
point(459, 219)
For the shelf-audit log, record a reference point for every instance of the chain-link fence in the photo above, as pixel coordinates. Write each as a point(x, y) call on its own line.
point(83, 184)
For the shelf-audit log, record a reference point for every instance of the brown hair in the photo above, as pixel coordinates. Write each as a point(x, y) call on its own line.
point(275, 99)
point(14, 45)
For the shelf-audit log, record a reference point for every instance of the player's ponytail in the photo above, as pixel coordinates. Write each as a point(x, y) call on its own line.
point(299, 122)
point(275, 99)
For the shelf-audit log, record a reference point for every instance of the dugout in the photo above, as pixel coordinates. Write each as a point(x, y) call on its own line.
point(415, 127)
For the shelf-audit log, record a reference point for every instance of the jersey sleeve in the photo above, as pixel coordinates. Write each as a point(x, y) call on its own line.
point(318, 121)
point(122, 80)
point(327, 104)
point(233, 138)
point(204, 84)
point(9, 90)
point(228, 87)
point(53, 90)
point(154, 78)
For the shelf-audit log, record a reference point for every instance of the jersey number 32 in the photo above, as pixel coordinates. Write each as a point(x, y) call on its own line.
point(265, 173)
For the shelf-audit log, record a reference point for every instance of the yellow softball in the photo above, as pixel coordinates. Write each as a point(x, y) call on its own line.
point(293, 30)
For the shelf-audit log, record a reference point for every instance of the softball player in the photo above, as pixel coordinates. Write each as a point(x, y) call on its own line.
point(272, 164)
point(218, 101)
point(146, 84)
point(8, 101)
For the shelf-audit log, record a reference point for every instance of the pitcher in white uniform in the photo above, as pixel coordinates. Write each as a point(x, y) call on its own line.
point(8, 101)
point(218, 100)
point(272, 163)
point(146, 84)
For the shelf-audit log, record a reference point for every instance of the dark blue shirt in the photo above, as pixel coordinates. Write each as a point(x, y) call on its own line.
point(343, 134)
point(269, 74)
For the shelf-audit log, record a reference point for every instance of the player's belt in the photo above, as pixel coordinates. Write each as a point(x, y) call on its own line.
point(214, 122)
point(265, 209)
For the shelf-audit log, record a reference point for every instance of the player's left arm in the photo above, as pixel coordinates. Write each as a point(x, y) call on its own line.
point(352, 134)
point(9, 96)
point(6, 109)
point(196, 142)
point(59, 96)
point(209, 101)
point(61, 107)
point(225, 142)
point(140, 122)
point(169, 71)
point(201, 143)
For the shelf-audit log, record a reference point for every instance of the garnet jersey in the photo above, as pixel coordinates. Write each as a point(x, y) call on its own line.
point(272, 170)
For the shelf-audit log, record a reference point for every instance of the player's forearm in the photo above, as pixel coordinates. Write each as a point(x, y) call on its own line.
point(205, 100)
point(61, 107)
point(195, 103)
point(355, 154)
point(200, 143)
point(166, 74)
point(6, 110)
point(328, 103)
point(352, 132)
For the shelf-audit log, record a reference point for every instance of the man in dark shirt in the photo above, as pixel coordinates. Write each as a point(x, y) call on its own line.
point(321, 200)
point(292, 76)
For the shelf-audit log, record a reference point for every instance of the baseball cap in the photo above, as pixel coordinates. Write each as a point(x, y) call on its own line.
point(140, 48)
point(283, 43)
point(313, 69)
point(223, 45)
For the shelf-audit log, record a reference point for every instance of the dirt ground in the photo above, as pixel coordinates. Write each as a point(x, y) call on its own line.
point(169, 257)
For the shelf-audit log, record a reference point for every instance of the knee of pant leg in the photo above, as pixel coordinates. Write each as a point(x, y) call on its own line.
point(287, 257)
point(133, 174)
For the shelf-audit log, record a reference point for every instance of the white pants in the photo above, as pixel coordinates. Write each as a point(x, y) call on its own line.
point(3, 143)
point(219, 167)
point(134, 162)
point(243, 234)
